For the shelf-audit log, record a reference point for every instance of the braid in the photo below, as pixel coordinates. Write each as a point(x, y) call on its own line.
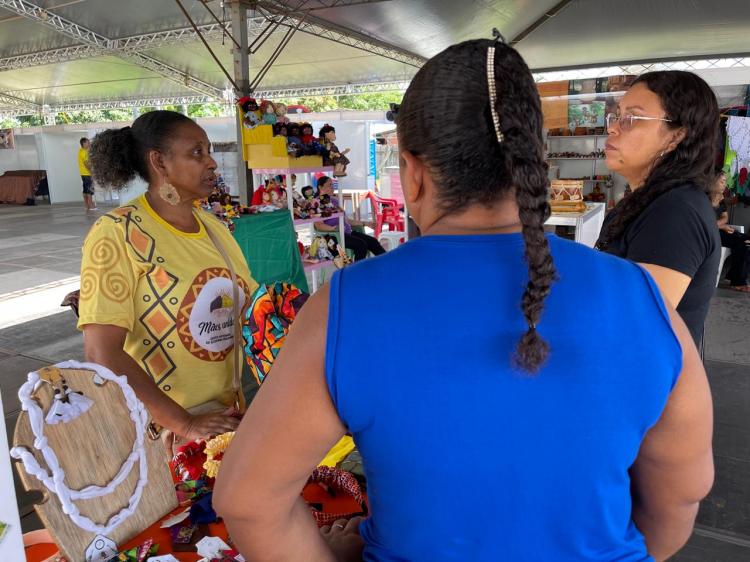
point(533, 210)
point(523, 154)
point(451, 127)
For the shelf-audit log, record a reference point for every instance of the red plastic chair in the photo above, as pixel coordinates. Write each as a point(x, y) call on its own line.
point(387, 212)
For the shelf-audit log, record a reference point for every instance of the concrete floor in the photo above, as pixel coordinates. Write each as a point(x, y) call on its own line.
point(41, 245)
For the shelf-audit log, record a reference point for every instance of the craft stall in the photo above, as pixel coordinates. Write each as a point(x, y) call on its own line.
point(113, 492)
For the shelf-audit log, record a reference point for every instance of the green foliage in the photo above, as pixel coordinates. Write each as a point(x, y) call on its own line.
point(378, 101)
point(361, 102)
point(9, 123)
point(209, 110)
point(31, 120)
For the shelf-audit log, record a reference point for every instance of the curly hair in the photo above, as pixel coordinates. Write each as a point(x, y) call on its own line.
point(690, 103)
point(116, 156)
point(450, 127)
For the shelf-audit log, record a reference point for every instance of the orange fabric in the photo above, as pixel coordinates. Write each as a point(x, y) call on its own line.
point(40, 552)
point(312, 493)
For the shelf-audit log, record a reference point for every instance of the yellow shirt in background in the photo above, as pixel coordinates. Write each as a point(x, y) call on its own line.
point(172, 291)
point(83, 156)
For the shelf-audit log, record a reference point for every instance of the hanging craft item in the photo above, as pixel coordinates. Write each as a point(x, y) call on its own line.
point(737, 155)
point(267, 320)
point(79, 422)
point(68, 405)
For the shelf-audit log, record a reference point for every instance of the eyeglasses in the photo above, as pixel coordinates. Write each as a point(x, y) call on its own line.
point(627, 121)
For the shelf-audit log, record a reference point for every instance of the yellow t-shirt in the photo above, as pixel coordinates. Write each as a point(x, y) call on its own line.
point(83, 156)
point(172, 291)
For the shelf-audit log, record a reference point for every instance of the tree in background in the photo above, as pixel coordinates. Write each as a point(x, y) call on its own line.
point(359, 102)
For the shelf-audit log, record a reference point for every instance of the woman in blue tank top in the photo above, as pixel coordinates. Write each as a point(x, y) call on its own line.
point(523, 398)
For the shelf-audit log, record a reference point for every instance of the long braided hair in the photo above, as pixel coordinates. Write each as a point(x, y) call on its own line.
point(690, 103)
point(446, 120)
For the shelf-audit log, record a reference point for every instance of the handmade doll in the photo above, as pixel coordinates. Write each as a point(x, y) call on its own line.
point(279, 129)
point(332, 156)
point(253, 116)
point(281, 113)
point(311, 204)
point(294, 142)
point(327, 208)
point(307, 134)
point(269, 112)
point(333, 244)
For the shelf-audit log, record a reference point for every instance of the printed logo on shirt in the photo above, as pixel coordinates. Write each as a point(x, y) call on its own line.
point(204, 322)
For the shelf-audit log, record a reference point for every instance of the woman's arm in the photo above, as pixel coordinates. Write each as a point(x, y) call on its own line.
point(674, 470)
point(323, 227)
point(723, 219)
point(671, 283)
point(103, 344)
point(289, 427)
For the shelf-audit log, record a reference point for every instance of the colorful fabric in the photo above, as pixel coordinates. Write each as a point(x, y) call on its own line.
point(172, 292)
point(338, 452)
point(337, 482)
point(272, 310)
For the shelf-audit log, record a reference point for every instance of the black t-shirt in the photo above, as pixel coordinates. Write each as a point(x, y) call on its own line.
point(677, 231)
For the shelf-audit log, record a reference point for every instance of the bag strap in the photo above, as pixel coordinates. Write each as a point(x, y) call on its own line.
point(237, 365)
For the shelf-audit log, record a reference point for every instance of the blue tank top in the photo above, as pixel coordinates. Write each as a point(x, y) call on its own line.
point(467, 459)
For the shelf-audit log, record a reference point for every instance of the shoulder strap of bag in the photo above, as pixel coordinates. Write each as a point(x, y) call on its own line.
point(237, 364)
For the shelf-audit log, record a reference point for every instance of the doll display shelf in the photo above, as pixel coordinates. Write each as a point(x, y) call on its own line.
point(262, 150)
point(306, 176)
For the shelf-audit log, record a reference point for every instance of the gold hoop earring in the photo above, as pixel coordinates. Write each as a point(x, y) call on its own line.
point(169, 193)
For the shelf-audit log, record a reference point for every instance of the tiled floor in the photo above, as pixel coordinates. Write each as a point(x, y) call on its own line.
point(43, 244)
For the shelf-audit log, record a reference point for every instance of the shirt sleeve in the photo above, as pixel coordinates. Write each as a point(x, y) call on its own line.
point(108, 281)
point(671, 235)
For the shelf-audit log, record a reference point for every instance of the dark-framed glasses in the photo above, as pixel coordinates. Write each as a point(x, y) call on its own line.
point(627, 121)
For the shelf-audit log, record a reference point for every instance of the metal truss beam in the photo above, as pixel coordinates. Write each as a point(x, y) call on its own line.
point(109, 46)
point(278, 93)
point(694, 65)
point(334, 90)
point(280, 12)
point(127, 44)
point(326, 4)
point(13, 103)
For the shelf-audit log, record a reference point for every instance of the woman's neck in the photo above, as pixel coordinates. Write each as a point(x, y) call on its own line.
point(501, 218)
point(179, 216)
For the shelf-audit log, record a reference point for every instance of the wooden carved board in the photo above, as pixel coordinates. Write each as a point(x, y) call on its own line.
point(91, 450)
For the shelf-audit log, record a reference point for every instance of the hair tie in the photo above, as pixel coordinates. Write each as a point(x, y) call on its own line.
point(493, 90)
point(497, 35)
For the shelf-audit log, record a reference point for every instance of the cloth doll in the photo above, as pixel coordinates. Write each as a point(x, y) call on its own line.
point(294, 142)
point(253, 116)
point(333, 157)
point(269, 112)
point(307, 134)
point(279, 129)
point(281, 113)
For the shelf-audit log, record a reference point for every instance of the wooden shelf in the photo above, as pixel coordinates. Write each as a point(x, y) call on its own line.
point(315, 266)
point(300, 222)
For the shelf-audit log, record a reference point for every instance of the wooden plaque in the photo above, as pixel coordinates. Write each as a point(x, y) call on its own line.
point(91, 450)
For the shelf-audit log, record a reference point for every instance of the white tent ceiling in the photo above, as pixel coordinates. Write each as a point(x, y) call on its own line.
point(40, 65)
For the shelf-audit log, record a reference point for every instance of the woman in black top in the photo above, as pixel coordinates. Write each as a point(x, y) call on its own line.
point(662, 140)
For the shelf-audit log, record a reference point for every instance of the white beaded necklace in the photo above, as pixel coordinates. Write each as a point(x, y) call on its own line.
point(54, 480)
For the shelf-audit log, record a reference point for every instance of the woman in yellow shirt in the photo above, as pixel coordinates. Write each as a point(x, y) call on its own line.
point(156, 299)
